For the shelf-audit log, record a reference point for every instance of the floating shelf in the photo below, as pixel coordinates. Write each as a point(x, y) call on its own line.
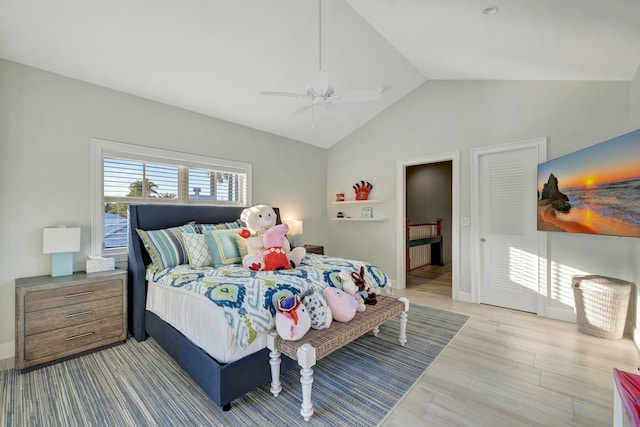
point(357, 202)
point(359, 219)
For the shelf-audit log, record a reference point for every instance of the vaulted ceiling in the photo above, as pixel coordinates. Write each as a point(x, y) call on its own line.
point(214, 57)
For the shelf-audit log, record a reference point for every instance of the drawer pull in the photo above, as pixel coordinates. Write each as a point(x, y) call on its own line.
point(78, 314)
point(79, 294)
point(75, 337)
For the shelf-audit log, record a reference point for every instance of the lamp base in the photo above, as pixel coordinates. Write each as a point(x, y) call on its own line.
point(61, 264)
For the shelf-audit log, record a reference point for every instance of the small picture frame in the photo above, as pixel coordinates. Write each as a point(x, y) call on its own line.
point(367, 212)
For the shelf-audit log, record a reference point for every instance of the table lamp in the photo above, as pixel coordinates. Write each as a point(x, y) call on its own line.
point(296, 228)
point(61, 242)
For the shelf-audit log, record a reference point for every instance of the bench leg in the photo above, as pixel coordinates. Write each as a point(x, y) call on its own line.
point(375, 331)
point(403, 322)
point(274, 361)
point(306, 359)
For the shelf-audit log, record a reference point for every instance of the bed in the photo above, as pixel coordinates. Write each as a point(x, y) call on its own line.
point(230, 362)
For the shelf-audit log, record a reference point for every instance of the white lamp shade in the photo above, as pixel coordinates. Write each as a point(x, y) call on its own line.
point(60, 239)
point(296, 226)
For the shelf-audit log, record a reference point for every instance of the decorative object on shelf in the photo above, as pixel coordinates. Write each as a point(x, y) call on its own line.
point(339, 197)
point(362, 190)
point(367, 212)
point(340, 215)
point(61, 242)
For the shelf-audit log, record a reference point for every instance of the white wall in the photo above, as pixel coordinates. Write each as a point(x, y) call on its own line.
point(46, 123)
point(443, 116)
point(634, 118)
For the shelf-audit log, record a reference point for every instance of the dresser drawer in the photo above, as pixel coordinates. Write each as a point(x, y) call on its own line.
point(61, 317)
point(74, 339)
point(70, 295)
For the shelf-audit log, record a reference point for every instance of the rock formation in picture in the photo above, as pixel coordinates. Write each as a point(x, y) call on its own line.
point(551, 193)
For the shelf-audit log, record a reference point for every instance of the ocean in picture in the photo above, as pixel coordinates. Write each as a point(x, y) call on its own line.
point(616, 200)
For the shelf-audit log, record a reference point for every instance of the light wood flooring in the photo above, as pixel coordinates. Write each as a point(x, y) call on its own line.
point(510, 368)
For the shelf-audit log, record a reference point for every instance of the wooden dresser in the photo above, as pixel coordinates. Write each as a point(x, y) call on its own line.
point(58, 317)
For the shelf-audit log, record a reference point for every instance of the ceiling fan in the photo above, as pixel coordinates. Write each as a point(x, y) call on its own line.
point(324, 94)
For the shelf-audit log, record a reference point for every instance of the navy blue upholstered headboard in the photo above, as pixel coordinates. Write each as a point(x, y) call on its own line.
point(155, 217)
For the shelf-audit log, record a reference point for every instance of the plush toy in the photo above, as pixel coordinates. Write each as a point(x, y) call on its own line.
point(318, 309)
point(274, 256)
point(343, 307)
point(350, 287)
point(364, 290)
point(292, 319)
point(258, 219)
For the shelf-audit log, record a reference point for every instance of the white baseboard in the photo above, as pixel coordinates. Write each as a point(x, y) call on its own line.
point(464, 296)
point(7, 350)
point(636, 336)
point(561, 314)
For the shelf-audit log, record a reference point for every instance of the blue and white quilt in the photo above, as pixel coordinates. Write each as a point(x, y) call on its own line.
point(246, 296)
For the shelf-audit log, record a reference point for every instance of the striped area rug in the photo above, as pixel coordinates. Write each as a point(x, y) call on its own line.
point(138, 384)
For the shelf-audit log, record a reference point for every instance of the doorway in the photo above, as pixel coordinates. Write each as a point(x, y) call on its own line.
point(453, 161)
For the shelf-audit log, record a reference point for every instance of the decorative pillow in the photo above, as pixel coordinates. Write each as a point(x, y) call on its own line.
point(198, 250)
point(166, 247)
point(241, 242)
point(220, 226)
point(223, 247)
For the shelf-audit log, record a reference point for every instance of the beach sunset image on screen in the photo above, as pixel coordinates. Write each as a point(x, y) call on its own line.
point(595, 190)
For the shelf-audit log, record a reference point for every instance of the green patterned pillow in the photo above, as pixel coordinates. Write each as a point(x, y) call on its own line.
point(221, 226)
point(223, 247)
point(166, 247)
point(197, 249)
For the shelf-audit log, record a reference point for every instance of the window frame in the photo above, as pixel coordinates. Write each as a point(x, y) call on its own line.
point(101, 148)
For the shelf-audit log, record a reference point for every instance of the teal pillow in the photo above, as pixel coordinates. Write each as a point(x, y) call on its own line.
point(166, 247)
point(202, 228)
point(222, 244)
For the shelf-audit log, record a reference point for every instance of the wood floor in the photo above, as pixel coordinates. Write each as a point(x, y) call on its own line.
point(509, 368)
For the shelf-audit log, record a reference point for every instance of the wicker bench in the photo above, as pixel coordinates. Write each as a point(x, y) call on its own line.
point(317, 344)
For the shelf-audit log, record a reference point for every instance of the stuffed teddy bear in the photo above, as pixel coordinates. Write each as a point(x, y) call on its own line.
point(318, 309)
point(364, 290)
point(349, 287)
point(343, 307)
point(292, 319)
point(258, 219)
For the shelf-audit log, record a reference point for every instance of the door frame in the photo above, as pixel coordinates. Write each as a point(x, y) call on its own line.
point(401, 213)
point(540, 144)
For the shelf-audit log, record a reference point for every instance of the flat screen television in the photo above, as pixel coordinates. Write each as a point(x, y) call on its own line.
point(595, 190)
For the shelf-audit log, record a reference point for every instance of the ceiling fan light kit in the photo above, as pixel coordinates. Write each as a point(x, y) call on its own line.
point(325, 94)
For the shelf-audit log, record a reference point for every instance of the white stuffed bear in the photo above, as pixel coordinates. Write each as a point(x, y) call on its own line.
point(258, 220)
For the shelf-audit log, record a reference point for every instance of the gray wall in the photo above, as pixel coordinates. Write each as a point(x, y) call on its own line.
point(46, 123)
point(444, 116)
point(429, 197)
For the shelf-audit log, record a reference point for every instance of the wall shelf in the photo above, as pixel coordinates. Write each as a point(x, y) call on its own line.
point(359, 219)
point(357, 202)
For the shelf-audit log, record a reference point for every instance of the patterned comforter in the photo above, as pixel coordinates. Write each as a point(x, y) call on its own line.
point(246, 296)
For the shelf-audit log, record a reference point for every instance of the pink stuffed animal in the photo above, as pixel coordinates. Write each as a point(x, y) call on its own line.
point(274, 257)
point(343, 307)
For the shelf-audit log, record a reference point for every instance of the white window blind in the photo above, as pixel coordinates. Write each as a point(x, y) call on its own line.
point(126, 174)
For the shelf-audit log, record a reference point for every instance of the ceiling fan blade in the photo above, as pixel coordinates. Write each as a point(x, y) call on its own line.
point(301, 110)
point(357, 96)
point(287, 94)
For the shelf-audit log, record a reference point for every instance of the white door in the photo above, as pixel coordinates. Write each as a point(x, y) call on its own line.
point(508, 247)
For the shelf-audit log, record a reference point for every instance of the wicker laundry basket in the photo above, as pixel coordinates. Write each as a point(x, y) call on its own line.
point(601, 305)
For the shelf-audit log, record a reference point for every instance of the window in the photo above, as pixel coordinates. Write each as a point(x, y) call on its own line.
point(126, 174)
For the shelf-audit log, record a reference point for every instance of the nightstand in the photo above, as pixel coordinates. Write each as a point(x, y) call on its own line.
point(59, 317)
point(314, 249)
